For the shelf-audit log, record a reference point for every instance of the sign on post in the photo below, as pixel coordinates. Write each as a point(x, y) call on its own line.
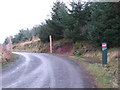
point(104, 53)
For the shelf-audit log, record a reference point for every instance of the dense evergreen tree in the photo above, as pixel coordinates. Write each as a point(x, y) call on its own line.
point(78, 18)
point(56, 24)
point(104, 25)
point(23, 35)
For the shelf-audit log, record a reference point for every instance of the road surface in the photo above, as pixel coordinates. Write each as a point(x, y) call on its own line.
point(35, 70)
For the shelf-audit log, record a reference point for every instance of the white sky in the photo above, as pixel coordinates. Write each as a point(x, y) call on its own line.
point(18, 14)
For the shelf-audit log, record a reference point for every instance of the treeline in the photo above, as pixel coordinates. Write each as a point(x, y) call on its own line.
point(23, 35)
point(95, 22)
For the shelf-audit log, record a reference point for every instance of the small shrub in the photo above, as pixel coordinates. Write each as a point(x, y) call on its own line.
point(81, 52)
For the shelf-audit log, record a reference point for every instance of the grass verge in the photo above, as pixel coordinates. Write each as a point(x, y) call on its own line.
point(6, 63)
point(105, 76)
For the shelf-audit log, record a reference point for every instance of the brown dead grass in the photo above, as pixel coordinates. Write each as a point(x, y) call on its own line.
point(35, 39)
point(4, 53)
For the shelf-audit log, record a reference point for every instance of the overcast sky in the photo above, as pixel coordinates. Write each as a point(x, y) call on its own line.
point(21, 14)
point(18, 14)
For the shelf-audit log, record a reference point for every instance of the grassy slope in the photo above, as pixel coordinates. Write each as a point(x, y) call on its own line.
point(90, 56)
point(32, 47)
point(105, 76)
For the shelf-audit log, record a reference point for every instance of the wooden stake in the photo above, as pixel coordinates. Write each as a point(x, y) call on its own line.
point(50, 44)
point(10, 43)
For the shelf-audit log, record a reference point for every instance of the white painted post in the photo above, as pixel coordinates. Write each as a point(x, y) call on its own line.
point(50, 44)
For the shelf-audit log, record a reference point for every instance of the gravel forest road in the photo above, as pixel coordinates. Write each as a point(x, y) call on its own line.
point(41, 70)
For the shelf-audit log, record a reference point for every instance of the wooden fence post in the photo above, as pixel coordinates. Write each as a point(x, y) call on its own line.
point(10, 43)
point(50, 44)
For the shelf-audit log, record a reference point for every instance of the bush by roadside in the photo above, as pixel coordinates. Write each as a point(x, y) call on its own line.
point(5, 54)
point(8, 63)
point(6, 57)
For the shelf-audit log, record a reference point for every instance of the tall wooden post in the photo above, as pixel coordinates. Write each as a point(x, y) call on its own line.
point(10, 43)
point(50, 44)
